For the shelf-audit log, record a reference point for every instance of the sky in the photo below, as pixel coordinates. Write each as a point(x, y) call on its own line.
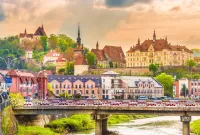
point(110, 22)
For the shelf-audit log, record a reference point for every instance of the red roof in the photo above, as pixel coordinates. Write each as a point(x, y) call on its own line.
point(40, 32)
point(61, 58)
point(52, 53)
point(158, 45)
point(99, 54)
point(114, 53)
point(22, 35)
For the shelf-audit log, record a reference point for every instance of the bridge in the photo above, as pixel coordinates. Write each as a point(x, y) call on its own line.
point(100, 111)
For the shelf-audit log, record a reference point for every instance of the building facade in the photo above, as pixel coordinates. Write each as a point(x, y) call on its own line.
point(2, 83)
point(87, 86)
point(158, 51)
point(30, 85)
point(129, 87)
point(108, 55)
point(25, 36)
point(51, 57)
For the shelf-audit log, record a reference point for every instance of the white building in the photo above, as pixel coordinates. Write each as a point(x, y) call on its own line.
point(51, 57)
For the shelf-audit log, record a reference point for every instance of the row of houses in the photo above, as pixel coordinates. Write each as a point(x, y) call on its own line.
point(109, 85)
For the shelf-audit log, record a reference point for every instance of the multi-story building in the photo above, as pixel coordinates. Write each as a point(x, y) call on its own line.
point(158, 51)
point(29, 84)
point(129, 87)
point(192, 88)
point(51, 57)
point(110, 54)
point(87, 86)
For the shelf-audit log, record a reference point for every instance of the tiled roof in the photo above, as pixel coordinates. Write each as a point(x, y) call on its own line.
point(61, 58)
point(40, 32)
point(132, 81)
point(114, 53)
point(22, 35)
point(158, 45)
point(52, 53)
point(72, 78)
point(99, 54)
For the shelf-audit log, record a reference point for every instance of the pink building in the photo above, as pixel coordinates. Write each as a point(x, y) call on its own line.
point(28, 84)
point(87, 86)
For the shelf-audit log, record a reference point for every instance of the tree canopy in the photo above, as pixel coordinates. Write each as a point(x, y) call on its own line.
point(91, 58)
point(16, 100)
point(167, 82)
point(191, 63)
point(153, 68)
point(64, 42)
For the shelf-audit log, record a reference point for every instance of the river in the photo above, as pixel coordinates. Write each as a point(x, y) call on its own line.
point(162, 125)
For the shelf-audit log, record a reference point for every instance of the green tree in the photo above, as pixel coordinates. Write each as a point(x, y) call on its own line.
point(69, 68)
point(44, 42)
point(64, 42)
point(77, 96)
point(64, 95)
point(196, 76)
point(50, 66)
point(153, 68)
point(61, 71)
point(91, 58)
point(16, 100)
point(184, 91)
point(53, 42)
point(110, 64)
point(190, 63)
point(167, 82)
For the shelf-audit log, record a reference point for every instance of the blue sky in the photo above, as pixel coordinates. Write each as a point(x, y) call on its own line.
point(111, 22)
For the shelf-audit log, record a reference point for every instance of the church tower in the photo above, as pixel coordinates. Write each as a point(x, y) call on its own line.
point(154, 36)
point(79, 50)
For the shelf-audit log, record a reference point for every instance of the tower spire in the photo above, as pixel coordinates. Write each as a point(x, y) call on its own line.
point(42, 26)
point(154, 36)
point(97, 46)
point(138, 41)
point(25, 31)
point(78, 38)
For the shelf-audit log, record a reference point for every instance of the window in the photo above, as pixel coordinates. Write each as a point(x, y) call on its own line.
point(64, 86)
point(103, 80)
point(69, 91)
point(24, 90)
point(56, 86)
point(103, 91)
point(81, 92)
point(74, 91)
point(57, 91)
point(87, 92)
point(30, 90)
point(106, 91)
point(63, 91)
point(92, 91)
point(79, 86)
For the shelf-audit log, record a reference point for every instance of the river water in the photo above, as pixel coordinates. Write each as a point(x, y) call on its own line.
point(162, 125)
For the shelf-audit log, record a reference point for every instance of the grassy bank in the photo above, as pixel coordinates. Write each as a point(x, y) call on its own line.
point(116, 119)
point(195, 127)
point(74, 123)
point(34, 130)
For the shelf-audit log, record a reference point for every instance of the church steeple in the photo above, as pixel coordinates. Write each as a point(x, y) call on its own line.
point(166, 38)
point(97, 46)
point(25, 31)
point(138, 41)
point(78, 38)
point(154, 36)
point(42, 26)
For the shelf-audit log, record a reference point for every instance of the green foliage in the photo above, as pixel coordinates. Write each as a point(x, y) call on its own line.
point(9, 124)
point(53, 42)
point(167, 82)
point(34, 130)
point(184, 91)
point(91, 58)
point(50, 66)
point(38, 55)
point(196, 76)
point(73, 123)
point(64, 42)
point(65, 95)
point(195, 128)
point(77, 96)
point(16, 100)
point(110, 64)
point(69, 68)
point(153, 68)
point(61, 70)
point(191, 63)
point(9, 46)
point(44, 42)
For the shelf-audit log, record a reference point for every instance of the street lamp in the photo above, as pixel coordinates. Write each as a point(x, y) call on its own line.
point(8, 64)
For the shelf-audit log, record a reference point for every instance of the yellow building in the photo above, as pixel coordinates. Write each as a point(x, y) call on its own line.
point(157, 51)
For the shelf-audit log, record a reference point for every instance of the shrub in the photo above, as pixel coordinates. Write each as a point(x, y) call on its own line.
point(195, 128)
